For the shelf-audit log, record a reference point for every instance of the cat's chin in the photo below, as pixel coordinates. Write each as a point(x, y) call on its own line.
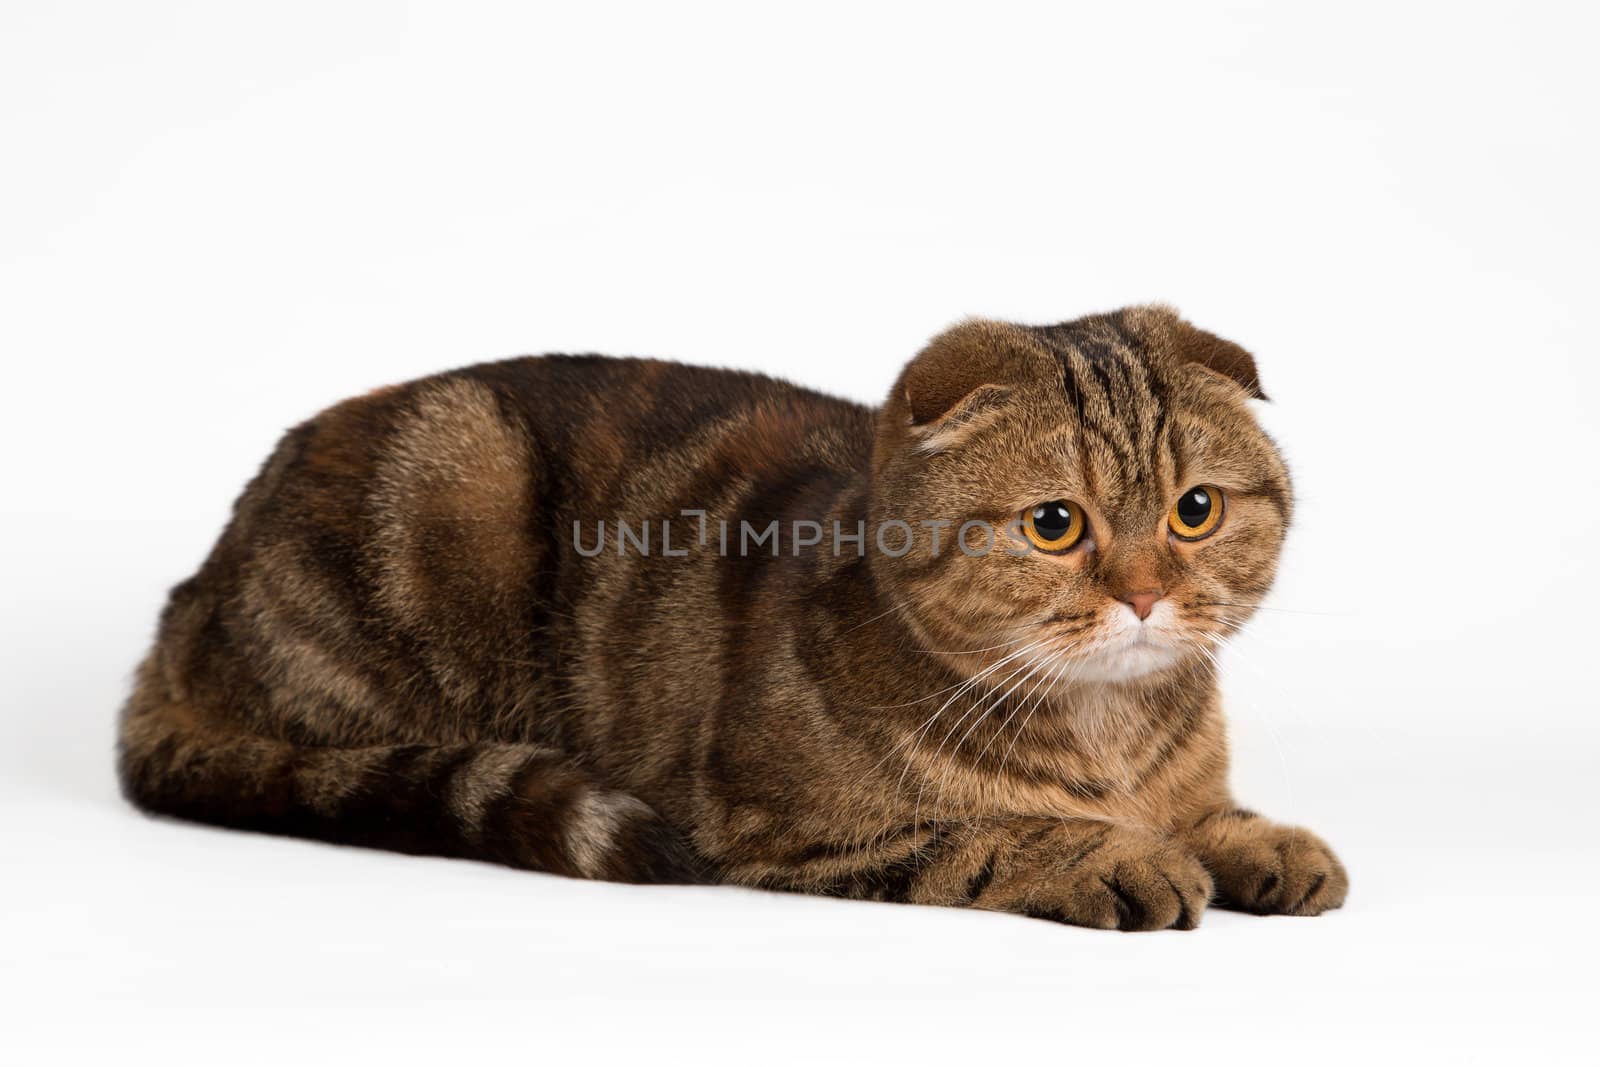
point(1126, 663)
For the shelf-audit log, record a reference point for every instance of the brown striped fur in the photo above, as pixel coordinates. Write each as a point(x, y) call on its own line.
point(395, 643)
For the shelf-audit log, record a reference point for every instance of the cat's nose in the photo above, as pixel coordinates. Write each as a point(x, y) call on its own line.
point(1142, 603)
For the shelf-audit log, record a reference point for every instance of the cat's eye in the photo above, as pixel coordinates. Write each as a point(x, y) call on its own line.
point(1197, 513)
point(1054, 526)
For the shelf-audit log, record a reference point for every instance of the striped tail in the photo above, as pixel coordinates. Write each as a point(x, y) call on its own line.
point(522, 805)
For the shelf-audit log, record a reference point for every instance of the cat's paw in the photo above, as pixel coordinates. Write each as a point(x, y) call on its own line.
point(1279, 870)
point(1122, 880)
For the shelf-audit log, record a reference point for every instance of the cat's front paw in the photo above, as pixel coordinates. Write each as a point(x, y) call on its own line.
point(1278, 870)
point(1119, 880)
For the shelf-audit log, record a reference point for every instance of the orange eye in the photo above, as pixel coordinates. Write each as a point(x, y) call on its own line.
point(1054, 526)
point(1197, 514)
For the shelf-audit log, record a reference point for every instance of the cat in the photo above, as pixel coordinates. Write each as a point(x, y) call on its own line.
point(633, 620)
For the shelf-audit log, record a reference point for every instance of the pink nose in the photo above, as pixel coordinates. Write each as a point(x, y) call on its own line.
point(1142, 603)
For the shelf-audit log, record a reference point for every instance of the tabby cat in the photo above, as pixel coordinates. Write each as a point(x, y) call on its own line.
point(631, 620)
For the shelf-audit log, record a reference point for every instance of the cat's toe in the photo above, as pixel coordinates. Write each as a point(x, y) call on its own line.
point(1314, 881)
point(1286, 872)
point(1165, 891)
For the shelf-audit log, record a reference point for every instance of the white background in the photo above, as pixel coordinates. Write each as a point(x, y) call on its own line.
point(218, 218)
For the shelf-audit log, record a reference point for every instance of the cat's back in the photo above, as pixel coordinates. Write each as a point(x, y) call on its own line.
point(568, 428)
point(613, 437)
point(652, 406)
point(408, 547)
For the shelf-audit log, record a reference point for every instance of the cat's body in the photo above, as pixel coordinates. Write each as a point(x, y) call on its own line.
point(404, 640)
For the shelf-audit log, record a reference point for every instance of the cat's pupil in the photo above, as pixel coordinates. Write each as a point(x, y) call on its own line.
point(1194, 507)
point(1052, 520)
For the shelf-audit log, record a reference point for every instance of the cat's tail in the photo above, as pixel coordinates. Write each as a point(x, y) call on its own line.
point(523, 805)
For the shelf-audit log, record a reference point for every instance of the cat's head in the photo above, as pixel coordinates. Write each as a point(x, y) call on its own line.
point(1137, 509)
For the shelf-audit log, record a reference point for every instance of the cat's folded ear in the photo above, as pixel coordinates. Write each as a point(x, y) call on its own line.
point(963, 377)
point(1219, 356)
